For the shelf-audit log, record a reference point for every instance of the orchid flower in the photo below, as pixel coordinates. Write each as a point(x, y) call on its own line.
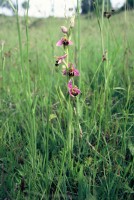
point(60, 59)
point(71, 70)
point(64, 41)
point(73, 91)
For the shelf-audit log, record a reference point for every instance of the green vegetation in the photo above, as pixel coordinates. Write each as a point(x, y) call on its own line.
point(50, 149)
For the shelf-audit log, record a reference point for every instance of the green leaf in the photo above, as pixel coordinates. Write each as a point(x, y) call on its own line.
point(52, 116)
point(131, 147)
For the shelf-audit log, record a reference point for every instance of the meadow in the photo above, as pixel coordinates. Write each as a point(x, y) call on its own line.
point(53, 146)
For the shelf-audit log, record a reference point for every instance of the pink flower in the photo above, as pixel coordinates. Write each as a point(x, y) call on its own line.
point(71, 70)
point(64, 41)
point(60, 59)
point(73, 91)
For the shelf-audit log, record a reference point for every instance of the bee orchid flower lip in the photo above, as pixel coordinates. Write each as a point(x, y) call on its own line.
point(64, 41)
point(73, 90)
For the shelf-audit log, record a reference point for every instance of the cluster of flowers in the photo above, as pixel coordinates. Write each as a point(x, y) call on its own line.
point(70, 69)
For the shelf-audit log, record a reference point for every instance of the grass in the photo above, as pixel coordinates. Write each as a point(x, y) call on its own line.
point(52, 149)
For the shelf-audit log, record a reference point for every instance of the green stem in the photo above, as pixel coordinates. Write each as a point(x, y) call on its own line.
point(27, 38)
point(79, 36)
point(19, 38)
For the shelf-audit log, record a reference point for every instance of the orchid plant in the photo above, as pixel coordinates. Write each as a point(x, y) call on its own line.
point(69, 68)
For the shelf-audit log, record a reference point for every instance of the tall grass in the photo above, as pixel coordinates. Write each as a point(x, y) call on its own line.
point(36, 117)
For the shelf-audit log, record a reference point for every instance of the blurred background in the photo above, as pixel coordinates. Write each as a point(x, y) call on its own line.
point(60, 8)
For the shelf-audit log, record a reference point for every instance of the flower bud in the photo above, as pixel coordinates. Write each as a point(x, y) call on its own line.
point(72, 21)
point(64, 29)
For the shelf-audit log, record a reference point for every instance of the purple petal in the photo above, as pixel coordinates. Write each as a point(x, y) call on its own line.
point(71, 93)
point(76, 72)
point(63, 57)
point(59, 43)
point(77, 90)
point(70, 42)
point(70, 84)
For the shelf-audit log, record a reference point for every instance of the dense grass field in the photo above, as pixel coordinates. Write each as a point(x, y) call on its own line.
point(53, 146)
